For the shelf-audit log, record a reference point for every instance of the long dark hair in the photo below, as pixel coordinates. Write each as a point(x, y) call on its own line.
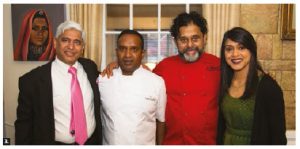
point(243, 37)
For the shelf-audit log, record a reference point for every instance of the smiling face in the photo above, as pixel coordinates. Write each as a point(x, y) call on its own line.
point(129, 53)
point(69, 46)
point(39, 32)
point(190, 42)
point(237, 56)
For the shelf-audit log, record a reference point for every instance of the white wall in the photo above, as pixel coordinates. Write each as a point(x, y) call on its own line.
point(12, 70)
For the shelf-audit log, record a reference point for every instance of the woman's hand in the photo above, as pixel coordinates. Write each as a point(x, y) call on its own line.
point(146, 67)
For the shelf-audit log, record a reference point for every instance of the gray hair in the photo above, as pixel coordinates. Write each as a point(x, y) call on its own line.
point(69, 25)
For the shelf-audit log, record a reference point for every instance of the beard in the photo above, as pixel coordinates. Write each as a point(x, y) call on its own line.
point(191, 58)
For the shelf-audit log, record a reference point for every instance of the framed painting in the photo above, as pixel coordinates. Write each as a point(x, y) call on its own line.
point(288, 21)
point(33, 30)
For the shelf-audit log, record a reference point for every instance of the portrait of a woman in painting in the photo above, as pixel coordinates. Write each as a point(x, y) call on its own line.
point(35, 40)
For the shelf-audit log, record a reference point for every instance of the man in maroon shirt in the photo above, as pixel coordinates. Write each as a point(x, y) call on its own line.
point(192, 83)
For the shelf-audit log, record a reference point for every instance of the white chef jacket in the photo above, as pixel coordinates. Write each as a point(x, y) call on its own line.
point(130, 107)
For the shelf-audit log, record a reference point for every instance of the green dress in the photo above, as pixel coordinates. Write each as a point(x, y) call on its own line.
point(238, 115)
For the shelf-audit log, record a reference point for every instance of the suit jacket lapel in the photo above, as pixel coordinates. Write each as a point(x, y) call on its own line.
point(89, 73)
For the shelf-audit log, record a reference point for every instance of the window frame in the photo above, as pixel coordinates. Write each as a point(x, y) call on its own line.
point(159, 32)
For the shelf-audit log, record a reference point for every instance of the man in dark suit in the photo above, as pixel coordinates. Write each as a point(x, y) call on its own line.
point(47, 110)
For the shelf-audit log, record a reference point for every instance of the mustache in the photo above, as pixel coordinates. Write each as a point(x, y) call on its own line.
point(190, 49)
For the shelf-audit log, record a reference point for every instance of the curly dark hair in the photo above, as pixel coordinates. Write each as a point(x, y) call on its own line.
point(185, 19)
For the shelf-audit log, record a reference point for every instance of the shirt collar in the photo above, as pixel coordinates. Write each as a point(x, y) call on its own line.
point(137, 71)
point(63, 65)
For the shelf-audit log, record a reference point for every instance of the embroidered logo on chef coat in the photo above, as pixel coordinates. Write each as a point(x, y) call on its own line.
point(213, 68)
point(150, 98)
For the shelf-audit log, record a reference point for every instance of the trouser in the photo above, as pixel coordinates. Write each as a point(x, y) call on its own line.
point(93, 140)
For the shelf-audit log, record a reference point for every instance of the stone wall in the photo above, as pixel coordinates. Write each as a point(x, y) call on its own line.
point(277, 56)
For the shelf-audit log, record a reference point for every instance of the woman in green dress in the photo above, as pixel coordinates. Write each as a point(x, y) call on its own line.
point(251, 105)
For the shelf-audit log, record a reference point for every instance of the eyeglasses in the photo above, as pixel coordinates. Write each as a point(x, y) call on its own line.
point(185, 40)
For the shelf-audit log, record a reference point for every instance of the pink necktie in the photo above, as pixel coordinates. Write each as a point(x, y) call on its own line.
point(78, 121)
